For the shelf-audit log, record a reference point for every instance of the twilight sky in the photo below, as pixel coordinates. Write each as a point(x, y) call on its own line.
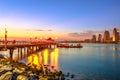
point(62, 19)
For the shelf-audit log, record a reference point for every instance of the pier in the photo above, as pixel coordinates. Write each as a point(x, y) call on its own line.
point(66, 45)
point(28, 47)
point(31, 47)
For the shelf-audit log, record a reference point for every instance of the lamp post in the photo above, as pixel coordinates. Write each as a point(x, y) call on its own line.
point(30, 39)
point(5, 36)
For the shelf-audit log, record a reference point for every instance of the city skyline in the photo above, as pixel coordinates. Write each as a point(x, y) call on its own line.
point(73, 20)
point(105, 37)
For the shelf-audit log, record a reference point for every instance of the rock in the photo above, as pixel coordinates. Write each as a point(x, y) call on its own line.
point(34, 77)
point(43, 78)
point(72, 76)
point(14, 76)
point(12, 70)
point(6, 76)
point(6, 67)
point(68, 74)
point(3, 72)
point(17, 70)
point(57, 78)
point(8, 62)
point(1, 65)
point(60, 73)
point(62, 77)
point(22, 77)
point(23, 69)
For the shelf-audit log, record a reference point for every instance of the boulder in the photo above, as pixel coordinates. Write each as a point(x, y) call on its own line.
point(22, 77)
point(6, 76)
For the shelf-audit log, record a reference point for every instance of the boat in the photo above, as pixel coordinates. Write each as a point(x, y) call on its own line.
point(66, 45)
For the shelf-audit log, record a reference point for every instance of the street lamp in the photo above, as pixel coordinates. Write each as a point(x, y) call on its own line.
point(5, 36)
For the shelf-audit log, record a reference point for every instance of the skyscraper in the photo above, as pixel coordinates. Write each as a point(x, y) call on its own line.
point(115, 37)
point(94, 38)
point(99, 38)
point(106, 36)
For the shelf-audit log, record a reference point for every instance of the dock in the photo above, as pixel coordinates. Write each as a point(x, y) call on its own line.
point(69, 46)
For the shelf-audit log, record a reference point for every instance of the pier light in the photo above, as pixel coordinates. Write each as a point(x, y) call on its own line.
point(5, 26)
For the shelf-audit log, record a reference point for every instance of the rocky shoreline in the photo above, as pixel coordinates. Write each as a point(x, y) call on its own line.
point(14, 70)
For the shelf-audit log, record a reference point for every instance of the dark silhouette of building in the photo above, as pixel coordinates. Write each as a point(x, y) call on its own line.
point(87, 40)
point(94, 38)
point(99, 38)
point(106, 36)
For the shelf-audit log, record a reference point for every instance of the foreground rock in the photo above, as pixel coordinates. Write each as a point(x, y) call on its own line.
point(12, 70)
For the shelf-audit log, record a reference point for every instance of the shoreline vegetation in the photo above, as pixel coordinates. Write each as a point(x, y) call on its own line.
point(14, 70)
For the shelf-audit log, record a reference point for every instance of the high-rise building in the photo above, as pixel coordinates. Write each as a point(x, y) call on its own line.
point(115, 37)
point(99, 38)
point(106, 36)
point(94, 38)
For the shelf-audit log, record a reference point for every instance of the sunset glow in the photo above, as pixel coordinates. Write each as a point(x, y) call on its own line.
point(69, 20)
point(60, 39)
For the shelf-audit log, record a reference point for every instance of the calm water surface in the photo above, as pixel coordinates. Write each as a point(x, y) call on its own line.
point(92, 62)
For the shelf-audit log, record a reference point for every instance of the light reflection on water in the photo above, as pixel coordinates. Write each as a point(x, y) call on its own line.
point(93, 61)
point(44, 57)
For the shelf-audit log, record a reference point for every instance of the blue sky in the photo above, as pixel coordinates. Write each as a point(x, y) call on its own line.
point(64, 16)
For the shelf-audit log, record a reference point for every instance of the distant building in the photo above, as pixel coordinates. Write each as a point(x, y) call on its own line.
point(115, 37)
point(99, 38)
point(87, 40)
point(107, 37)
point(111, 39)
point(94, 38)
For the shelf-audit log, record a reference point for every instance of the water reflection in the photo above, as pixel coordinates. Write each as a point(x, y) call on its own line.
point(40, 58)
point(114, 47)
point(46, 57)
point(54, 58)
